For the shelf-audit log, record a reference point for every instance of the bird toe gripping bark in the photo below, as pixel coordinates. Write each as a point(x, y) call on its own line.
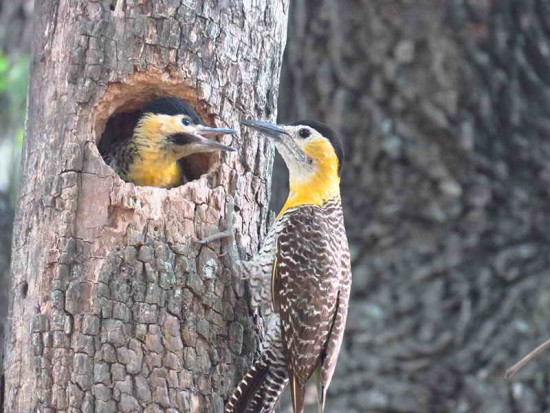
point(228, 234)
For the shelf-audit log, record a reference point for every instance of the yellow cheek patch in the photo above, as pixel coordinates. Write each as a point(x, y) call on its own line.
point(319, 185)
point(149, 127)
point(155, 126)
point(322, 152)
point(155, 166)
point(172, 125)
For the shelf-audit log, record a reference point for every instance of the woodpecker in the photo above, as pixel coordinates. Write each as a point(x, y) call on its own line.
point(301, 277)
point(167, 130)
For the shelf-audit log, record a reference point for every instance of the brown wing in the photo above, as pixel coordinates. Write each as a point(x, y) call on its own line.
point(336, 335)
point(306, 285)
point(334, 341)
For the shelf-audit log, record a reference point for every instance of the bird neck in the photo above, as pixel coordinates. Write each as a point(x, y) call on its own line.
point(321, 185)
point(154, 165)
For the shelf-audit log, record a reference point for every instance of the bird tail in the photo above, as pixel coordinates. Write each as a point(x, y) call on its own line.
point(321, 390)
point(261, 387)
point(298, 395)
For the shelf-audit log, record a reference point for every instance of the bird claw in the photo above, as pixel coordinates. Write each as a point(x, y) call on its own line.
point(229, 232)
point(217, 236)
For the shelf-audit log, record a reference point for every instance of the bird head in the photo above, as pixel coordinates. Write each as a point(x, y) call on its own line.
point(171, 126)
point(313, 154)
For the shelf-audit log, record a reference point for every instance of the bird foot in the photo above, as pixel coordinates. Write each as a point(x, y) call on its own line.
point(228, 233)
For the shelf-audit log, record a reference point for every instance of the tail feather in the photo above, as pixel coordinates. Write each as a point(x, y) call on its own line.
point(298, 395)
point(321, 389)
point(247, 388)
point(261, 387)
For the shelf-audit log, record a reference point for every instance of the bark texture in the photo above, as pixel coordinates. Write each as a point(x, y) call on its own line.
point(444, 108)
point(114, 307)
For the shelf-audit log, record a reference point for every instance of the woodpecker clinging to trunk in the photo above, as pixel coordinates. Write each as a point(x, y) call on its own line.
point(301, 277)
point(167, 130)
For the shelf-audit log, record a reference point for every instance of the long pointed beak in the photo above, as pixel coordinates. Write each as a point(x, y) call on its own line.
point(197, 141)
point(285, 144)
point(207, 131)
point(213, 145)
point(269, 129)
point(202, 133)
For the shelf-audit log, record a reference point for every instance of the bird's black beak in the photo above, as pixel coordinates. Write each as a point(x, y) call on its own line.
point(202, 133)
point(210, 144)
point(197, 138)
point(273, 131)
point(285, 144)
point(208, 132)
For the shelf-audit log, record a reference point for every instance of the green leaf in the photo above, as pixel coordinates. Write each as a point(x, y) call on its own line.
point(19, 138)
point(18, 78)
point(4, 64)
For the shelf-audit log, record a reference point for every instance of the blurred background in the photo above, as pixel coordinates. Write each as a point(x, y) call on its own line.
point(444, 109)
point(15, 42)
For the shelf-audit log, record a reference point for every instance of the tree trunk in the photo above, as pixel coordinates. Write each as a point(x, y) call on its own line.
point(444, 109)
point(114, 306)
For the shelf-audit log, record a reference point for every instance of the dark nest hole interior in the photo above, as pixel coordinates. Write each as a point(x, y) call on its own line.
point(123, 119)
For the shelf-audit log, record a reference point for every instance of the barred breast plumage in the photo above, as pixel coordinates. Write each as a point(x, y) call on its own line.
point(311, 289)
point(301, 278)
point(302, 287)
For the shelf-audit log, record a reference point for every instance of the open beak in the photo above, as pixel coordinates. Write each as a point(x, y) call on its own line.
point(213, 145)
point(209, 132)
point(271, 130)
point(202, 133)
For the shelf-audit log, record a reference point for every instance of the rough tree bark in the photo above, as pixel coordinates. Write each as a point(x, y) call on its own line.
point(115, 307)
point(444, 108)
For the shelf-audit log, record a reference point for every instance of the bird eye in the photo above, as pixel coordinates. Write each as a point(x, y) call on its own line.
point(304, 133)
point(186, 121)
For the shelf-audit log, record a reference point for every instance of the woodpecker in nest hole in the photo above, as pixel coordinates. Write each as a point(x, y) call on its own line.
point(301, 277)
point(167, 131)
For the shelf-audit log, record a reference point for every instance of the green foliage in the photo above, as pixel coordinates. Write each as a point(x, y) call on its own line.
point(18, 79)
point(19, 135)
point(3, 72)
point(14, 73)
point(13, 84)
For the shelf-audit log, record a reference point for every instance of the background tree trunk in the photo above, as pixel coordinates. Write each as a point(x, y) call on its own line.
point(114, 307)
point(15, 30)
point(444, 108)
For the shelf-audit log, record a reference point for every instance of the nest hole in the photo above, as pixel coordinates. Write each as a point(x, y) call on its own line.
point(120, 110)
